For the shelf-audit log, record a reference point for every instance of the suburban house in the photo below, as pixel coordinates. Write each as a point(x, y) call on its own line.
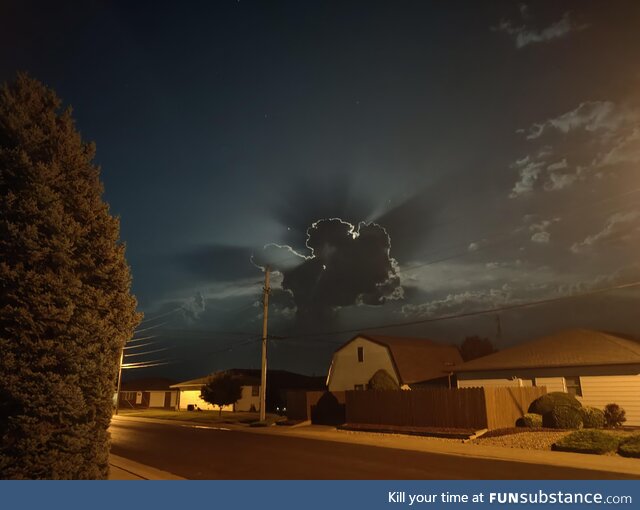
point(278, 383)
point(189, 393)
point(598, 368)
point(153, 392)
point(411, 362)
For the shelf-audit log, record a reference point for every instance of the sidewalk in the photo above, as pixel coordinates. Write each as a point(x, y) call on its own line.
point(614, 464)
point(125, 469)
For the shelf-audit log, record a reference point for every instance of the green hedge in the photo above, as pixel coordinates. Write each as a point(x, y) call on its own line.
point(563, 417)
point(546, 403)
point(630, 447)
point(592, 417)
point(588, 441)
point(530, 420)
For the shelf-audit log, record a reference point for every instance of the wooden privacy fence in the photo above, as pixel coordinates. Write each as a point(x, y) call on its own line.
point(319, 406)
point(441, 407)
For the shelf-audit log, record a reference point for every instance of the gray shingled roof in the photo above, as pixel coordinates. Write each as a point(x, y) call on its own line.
point(572, 348)
point(417, 359)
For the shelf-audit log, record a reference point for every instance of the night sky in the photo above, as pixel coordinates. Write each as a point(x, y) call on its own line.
point(393, 161)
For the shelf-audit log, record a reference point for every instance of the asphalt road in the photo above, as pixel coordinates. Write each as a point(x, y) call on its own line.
point(195, 453)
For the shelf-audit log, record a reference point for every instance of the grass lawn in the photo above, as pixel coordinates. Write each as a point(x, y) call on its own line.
point(201, 416)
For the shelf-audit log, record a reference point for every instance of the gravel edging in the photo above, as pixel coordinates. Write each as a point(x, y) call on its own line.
point(526, 440)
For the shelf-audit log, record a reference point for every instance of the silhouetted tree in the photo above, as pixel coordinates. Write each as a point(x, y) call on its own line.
point(382, 380)
point(65, 303)
point(475, 347)
point(222, 389)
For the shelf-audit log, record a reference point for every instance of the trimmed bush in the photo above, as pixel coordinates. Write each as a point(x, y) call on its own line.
point(588, 441)
point(630, 447)
point(563, 417)
point(545, 404)
point(592, 417)
point(614, 415)
point(530, 420)
point(382, 380)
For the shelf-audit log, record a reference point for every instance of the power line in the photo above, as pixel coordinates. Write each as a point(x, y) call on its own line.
point(129, 366)
point(151, 319)
point(150, 328)
point(138, 346)
point(141, 338)
point(145, 353)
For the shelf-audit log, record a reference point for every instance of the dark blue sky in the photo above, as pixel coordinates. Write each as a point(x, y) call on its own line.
point(495, 144)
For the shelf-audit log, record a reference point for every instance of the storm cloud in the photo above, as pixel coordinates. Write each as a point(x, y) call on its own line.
point(348, 265)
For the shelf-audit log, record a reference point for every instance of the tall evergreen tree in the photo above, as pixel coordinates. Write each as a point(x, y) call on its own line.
point(65, 304)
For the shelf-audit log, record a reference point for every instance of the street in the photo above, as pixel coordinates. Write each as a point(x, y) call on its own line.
point(201, 453)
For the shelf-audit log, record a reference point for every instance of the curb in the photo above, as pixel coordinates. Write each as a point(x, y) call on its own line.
point(131, 470)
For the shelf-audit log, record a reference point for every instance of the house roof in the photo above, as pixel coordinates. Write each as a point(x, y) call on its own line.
point(147, 384)
point(416, 359)
point(571, 348)
point(280, 379)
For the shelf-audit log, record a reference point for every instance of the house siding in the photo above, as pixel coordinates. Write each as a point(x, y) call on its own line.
point(552, 383)
point(624, 390)
point(247, 400)
point(346, 371)
point(476, 383)
point(598, 387)
point(192, 397)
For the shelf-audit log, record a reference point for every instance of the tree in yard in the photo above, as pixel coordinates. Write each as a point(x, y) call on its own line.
point(475, 347)
point(65, 304)
point(222, 389)
point(382, 380)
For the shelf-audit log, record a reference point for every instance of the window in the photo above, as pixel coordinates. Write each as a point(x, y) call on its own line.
point(573, 386)
point(255, 391)
point(360, 354)
point(359, 387)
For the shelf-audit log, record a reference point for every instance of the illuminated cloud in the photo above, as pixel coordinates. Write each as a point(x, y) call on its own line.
point(589, 115)
point(529, 171)
point(524, 36)
point(540, 231)
point(619, 227)
point(348, 265)
point(587, 140)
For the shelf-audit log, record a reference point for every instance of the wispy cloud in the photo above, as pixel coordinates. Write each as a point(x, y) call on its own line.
point(589, 115)
point(540, 231)
point(524, 35)
point(529, 170)
point(619, 227)
point(582, 141)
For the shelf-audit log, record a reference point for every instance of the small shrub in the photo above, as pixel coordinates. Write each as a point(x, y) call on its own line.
point(614, 415)
point(563, 417)
point(592, 417)
point(530, 420)
point(382, 380)
point(546, 403)
point(588, 441)
point(630, 447)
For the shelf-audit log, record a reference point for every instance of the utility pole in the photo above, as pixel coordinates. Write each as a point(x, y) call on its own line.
point(263, 380)
point(498, 332)
point(119, 380)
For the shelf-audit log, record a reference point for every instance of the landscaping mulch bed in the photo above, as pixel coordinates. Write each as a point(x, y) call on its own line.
point(450, 433)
